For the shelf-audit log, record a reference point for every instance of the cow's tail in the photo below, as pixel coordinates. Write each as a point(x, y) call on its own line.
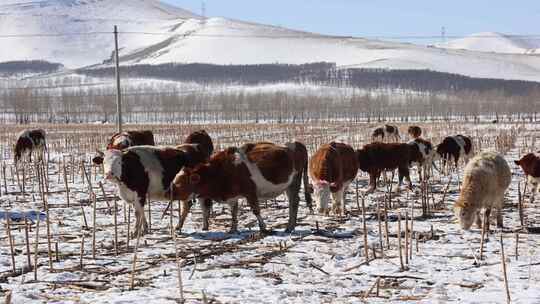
point(307, 187)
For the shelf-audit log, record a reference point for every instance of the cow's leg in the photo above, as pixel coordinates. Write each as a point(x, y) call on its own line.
point(234, 214)
point(140, 224)
point(499, 218)
point(294, 201)
point(479, 219)
point(486, 215)
point(206, 211)
point(336, 202)
point(185, 208)
point(373, 181)
point(256, 209)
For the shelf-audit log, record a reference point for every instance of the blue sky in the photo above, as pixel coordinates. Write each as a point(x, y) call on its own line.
point(381, 17)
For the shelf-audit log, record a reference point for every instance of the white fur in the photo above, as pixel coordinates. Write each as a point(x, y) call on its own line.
point(265, 188)
point(122, 139)
point(534, 182)
point(112, 164)
point(153, 168)
point(461, 143)
point(321, 194)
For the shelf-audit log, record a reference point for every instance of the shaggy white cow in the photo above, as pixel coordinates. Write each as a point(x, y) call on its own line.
point(485, 180)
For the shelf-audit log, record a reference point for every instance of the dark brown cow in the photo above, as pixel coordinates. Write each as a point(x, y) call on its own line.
point(386, 133)
point(377, 157)
point(530, 163)
point(332, 168)
point(206, 146)
point(123, 140)
point(256, 171)
point(147, 171)
point(456, 147)
point(27, 142)
point(203, 140)
point(414, 132)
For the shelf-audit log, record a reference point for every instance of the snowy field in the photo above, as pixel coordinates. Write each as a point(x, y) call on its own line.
point(323, 261)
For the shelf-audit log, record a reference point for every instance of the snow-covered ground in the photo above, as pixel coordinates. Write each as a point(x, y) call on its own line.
point(322, 262)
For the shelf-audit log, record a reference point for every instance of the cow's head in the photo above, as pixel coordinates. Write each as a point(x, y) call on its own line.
point(112, 165)
point(98, 158)
point(364, 161)
point(186, 183)
point(465, 214)
point(321, 192)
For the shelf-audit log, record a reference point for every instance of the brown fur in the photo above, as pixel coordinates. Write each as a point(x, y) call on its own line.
point(203, 140)
point(226, 177)
point(414, 131)
point(530, 163)
point(377, 157)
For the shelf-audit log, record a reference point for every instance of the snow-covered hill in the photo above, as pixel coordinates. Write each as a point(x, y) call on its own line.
point(81, 16)
point(497, 43)
point(187, 38)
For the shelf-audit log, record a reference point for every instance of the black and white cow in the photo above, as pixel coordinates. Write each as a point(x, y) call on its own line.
point(147, 171)
point(455, 147)
point(29, 141)
point(386, 134)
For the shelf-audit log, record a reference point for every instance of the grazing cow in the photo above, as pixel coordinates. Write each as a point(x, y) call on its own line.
point(455, 147)
point(147, 171)
point(386, 133)
point(332, 168)
point(423, 160)
point(255, 171)
point(530, 163)
point(414, 132)
point(123, 140)
point(27, 142)
point(206, 146)
point(485, 180)
point(377, 157)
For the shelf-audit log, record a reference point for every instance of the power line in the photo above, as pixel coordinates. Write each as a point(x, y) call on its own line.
point(271, 36)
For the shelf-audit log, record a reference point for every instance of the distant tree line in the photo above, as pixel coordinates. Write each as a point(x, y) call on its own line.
point(322, 73)
point(14, 68)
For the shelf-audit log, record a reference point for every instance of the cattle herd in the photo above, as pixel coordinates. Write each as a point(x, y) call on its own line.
point(261, 171)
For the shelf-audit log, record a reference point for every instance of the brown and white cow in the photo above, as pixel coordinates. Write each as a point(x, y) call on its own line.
point(255, 171)
point(386, 133)
point(456, 147)
point(29, 141)
point(414, 132)
point(332, 168)
point(530, 163)
point(375, 158)
point(123, 140)
point(147, 171)
point(423, 160)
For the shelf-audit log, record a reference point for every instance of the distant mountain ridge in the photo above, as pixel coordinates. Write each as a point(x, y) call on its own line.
point(155, 33)
point(496, 43)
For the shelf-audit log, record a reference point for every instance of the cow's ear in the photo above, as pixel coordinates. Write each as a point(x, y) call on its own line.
point(194, 179)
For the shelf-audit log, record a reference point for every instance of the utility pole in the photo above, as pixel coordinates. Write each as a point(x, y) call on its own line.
point(203, 11)
point(117, 72)
point(443, 34)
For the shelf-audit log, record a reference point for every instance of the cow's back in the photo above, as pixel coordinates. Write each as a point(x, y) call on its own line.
point(274, 162)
